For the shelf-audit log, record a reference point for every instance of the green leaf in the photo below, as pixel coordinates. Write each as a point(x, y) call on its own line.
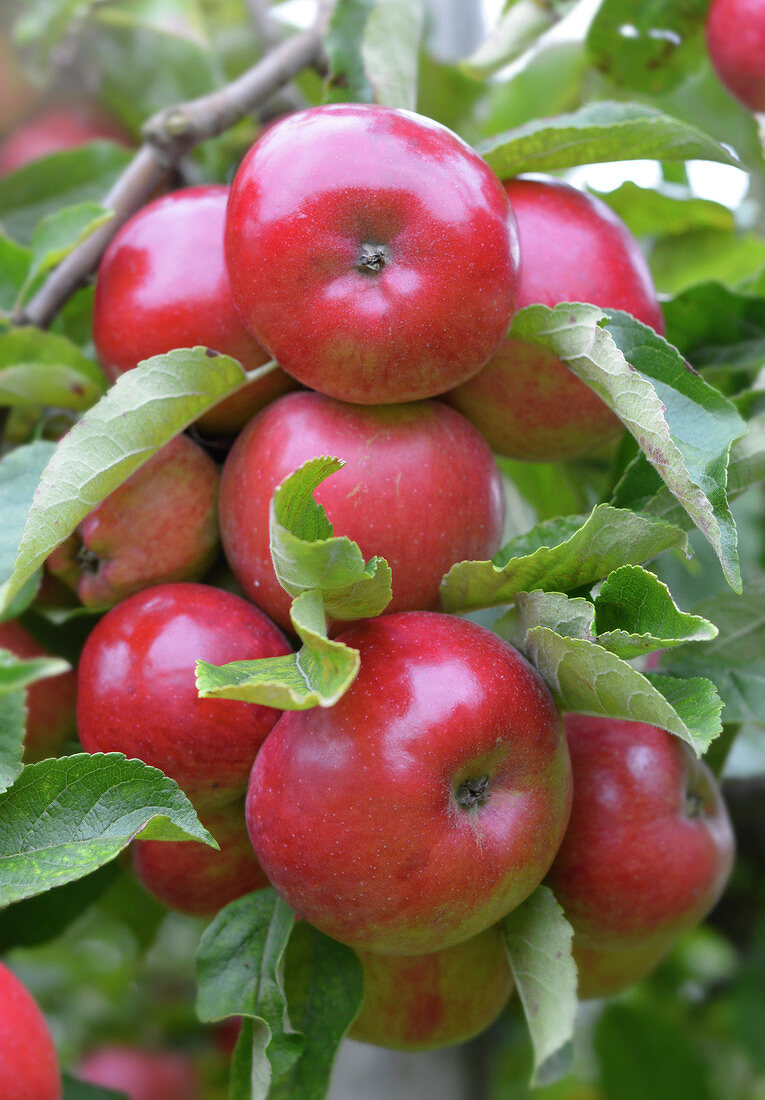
point(390, 50)
point(680, 261)
point(40, 368)
point(20, 473)
point(645, 46)
point(520, 25)
point(17, 673)
point(319, 674)
point(324, 984)
point(552, 489)
point(145, 408)
point(558, 555)
point(62, 180)
point(37, 920)
point(240, 964)
point(306, 556)
point(599, 132)
point(635, 614)
point(13, 719)
point(343, 45)
point(733, 661)
point(683, 426)
point(82, 1090)
point(650, 213)
point(538, 941)
point(58, 233)
point(712, 325)
point(15, 261)
point(62, 819)
point(586, 678)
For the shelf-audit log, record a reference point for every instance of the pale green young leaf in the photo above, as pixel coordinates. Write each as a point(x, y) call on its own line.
point(648, 213)
point(41, 368)
point(58, 233)
point(558, 555)
point(316, 676)
point(145, 408)
point(64, 818)
point(390, 51)
point(518, 28)
point(15, 261)
point(17, 673)
point(601, 131)
point(20, 473)
point(13, 718)
point(538, 941)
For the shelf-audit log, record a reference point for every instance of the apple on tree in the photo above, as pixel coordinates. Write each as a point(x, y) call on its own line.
point(29, 1067)
point(56, 129)
point(574, 248)
point(51, 704)
point(162, 284)
point(372, 252)
point(426, 803)
point(647, 852)
point(736, 42)
point(126, 544)
point(141, 1074)
point(420, 488)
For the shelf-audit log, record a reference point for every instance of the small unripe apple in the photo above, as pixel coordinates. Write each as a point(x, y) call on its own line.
point(574, 248)
point(163, 284)
point(372, 252)
point(140, 1074)
point(736, 43)
point(29, 1067)
point(420, 488)
point(51, 703)
point(649, 846)
point(137, 687)
point(54, 130)
point(194, 878)
point(422, 1002)
point(158, 526)
point(426, 803)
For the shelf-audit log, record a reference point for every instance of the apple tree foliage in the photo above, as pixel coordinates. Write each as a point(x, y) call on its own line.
point(654, 546)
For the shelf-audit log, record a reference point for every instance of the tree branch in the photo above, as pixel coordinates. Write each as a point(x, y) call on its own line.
point(167, 137)
point(262, 23)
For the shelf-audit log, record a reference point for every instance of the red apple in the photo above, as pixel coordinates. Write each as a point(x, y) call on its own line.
point(50, 703)
point(424, 805)
point(195, 879)
point(649, 846)
point(162, 284)
point(608, 970)
point(736, 43)
point(28, 1062)
point(140, 1074)
point(54, 130)
point(421, 488)
point(526, 402)
point(137, 691)
point(421, 1002)
point(126, 543)
point(372, 252)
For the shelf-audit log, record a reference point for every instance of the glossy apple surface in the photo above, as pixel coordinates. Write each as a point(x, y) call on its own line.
point(51, 703)
point(649, 846)
point(140, 1074)
point(54, 130)
point(162, 284)
point(422, 1002)
point(194, 878)
point(425, 804)
point(160, 525)
point(736, 43)
point(137, 690)
point(420, 488)
point(574, 248)
point(372, 252)
point(28, 1063)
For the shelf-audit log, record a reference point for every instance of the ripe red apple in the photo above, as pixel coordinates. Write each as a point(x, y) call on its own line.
point(424, 805)
point(736, 44)
point(649, 846)
point(140, 1074)
point(421, 1002)
point(56, 129)
point(137, 690)
point(50, 703)
point(28, 1063)
point(372, 252)
point(126, 543)
point(421, 488)
point(608, 970)
point(162, 284)
point(526, 402)
point(195, 879)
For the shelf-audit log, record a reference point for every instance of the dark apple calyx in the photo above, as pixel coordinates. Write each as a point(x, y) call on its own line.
point(372, 258)
point(88, 561)
point(472, 793)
